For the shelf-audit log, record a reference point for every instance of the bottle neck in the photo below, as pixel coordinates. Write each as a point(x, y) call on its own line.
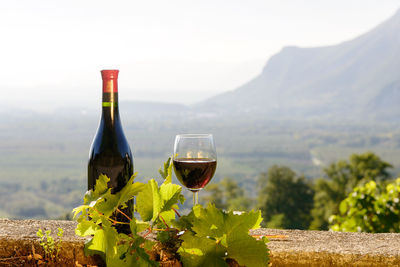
point(110, 111)
point(110, 100)
point(110, 114)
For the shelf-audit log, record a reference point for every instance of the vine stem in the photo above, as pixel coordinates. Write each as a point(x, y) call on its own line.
point(164, 222)
point(117, 222)
point(146, 234)
point(124, 214)
point(166, 230)
point(98, 212)
point(113, 221)
point(177, 213)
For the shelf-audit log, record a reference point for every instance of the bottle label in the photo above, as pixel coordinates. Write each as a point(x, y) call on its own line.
point(110, 104)
point(110, 100)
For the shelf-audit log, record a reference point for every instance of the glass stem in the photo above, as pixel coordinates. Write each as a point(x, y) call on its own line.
point(195, 198)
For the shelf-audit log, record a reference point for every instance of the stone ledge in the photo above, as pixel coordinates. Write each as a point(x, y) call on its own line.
point(323, 248)
point(18, 236)
point(299, 248)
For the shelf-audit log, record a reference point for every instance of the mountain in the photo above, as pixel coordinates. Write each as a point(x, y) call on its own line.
point(359, 78)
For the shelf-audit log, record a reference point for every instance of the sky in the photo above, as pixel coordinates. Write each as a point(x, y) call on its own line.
point(180, 51)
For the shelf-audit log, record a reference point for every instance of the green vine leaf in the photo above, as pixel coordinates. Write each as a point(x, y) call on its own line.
point(148, 201)
point(101, 186)
point(130, 190)
point(201, 251)
point(97, 243)
point(208, 222)
point(166, 171)
point(227, 232)
point(86, 228)
point(170, 195)
point(246, 250)
point(153, 200)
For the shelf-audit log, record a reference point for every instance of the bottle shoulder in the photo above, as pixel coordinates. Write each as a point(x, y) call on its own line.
point(110, 141)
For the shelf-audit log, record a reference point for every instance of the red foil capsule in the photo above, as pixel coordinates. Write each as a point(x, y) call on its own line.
point(110, 81)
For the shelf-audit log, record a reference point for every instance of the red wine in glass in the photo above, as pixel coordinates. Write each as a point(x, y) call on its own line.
point(195, 161)
point(194, 173)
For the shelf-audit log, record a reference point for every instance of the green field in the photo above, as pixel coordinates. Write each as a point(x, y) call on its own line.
point(43, 159)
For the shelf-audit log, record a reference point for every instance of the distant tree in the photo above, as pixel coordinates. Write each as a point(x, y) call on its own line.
point(215, 195)
point(341, 178)
point(277, 221)
point(370, 208)
point(285, 200)
point(228, 195)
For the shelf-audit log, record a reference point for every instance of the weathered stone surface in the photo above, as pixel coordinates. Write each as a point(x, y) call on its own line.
point(18, 236)
point(323, 248)
point(298, 248)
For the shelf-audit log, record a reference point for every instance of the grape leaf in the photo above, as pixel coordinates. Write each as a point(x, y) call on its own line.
point(246, 250)
point(105, 241)
point(101, 185)
point(201, 251)
point(170, 195)
point(166, 172)
point(148, 201)
point(248, 220)
point(107, 203)
point(100, 188)
point(209, 221)
point(80, 210)
point(184, 222)
point(167, 217)
point(86, 228)
point(228, 230)
point(130, 190)
point(98, 242)
point(153, 200)
point(103, 201)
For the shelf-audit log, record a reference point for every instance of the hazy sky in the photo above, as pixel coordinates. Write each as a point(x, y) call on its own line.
point(183, 51)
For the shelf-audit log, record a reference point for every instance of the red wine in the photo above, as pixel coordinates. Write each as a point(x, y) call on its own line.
point(194, 173)
point(110, 153)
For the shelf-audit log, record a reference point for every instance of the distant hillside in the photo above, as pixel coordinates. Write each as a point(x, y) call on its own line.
point(359, 78)
point(143, 109)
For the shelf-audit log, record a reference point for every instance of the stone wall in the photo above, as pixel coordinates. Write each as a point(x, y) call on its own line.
point(290, 248)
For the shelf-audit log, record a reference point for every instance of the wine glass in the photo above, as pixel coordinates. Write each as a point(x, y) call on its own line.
point(195, 161)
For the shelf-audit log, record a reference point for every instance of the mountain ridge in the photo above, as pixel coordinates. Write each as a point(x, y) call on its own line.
point(336, 80)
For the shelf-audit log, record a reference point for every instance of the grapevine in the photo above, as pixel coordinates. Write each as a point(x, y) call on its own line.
point(206, 236)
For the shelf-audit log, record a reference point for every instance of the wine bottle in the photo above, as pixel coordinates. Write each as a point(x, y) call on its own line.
point(110, 153)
